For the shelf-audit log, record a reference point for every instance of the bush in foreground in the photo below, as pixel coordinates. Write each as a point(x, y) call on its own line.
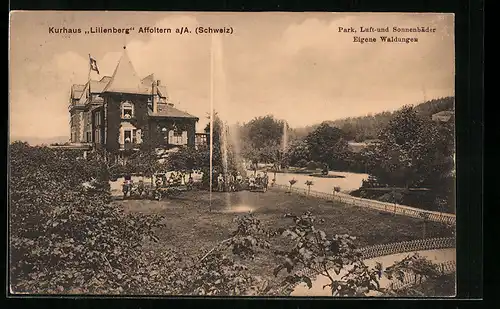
point(64, 234)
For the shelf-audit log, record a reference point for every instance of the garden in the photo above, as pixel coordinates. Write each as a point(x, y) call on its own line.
point(68, 236)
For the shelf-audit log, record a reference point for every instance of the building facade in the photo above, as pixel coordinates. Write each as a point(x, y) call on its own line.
point(124, 112)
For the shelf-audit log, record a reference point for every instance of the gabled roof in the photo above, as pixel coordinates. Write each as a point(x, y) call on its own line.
point(105, 79)
point(98, 86)
point(165, 110)
point(76, 91)
point(162, 91)
point(125, 79)
point(148, 82)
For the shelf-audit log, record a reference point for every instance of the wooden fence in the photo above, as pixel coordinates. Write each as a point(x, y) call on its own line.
point(434, 216)
point(407, 246)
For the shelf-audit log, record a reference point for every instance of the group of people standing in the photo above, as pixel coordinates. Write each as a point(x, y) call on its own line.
point(234, 181)
point(175, 178)
point(259, 181)
point(231, 182)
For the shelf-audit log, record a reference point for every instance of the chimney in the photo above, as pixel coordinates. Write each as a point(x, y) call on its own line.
point(155, 97)
point(158, 83)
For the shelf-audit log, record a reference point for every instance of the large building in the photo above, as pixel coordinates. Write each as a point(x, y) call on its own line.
point(124, 112)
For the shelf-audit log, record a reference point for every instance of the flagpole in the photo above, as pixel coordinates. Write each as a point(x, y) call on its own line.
point(211, 114)
point(88, 77)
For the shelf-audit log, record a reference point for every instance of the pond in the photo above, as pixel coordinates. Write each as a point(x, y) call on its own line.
point(347, 183)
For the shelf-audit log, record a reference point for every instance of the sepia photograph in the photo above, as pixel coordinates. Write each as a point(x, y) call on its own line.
point(232, 154)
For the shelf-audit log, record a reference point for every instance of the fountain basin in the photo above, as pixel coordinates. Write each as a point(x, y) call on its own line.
point(242, 208)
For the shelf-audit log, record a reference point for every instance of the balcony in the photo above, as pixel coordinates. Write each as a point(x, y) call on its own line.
point(74, 106)
point(130, 146)
point(127, 117)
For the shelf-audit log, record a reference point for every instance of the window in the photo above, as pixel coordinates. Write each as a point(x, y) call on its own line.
point(97, 136)
point(97, 119)
point(177, 137)
point(127, 110)
point(150, 103)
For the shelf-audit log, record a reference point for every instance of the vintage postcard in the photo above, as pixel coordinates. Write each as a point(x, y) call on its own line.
point(232, 154)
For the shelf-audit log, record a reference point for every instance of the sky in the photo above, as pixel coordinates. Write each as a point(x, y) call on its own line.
point(295, 66)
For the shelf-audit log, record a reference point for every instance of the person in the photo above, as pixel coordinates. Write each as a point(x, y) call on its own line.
point(265, 180)
point(230, 181)
point(258, 180)
point(158, 180)
point(251, 182)
point(178, 178)
point(190, 183)
point(239, 181)
point(140, 186)
point(220, 182)
point(171, 179)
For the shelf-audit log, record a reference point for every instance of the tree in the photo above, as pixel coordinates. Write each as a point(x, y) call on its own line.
point(326, 144)
point(309, 184)
point(292, 182)
point(297, 153)
point(413, 151)
point(262, 138)
point(145, 162)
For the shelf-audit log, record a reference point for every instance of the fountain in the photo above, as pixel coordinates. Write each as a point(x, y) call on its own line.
point(284, 145)
point(218, 98)
point(285, 136)
point(211, 117)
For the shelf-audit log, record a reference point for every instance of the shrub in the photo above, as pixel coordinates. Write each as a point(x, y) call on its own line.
point(311, 165)
point(302, 163)
point(66, 237)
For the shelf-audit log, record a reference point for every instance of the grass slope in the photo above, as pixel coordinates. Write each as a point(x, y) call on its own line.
point(192, 229)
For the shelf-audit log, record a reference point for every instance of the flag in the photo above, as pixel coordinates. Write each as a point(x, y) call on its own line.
point(93, 64)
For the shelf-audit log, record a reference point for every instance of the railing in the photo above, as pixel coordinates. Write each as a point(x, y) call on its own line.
point(375, 251)
point(75, 105)
point(377, 205)
point(407, 246)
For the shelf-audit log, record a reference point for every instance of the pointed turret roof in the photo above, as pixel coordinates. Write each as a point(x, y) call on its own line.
point(125, 79)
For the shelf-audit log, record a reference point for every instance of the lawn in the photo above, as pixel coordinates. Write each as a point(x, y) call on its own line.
point(192, 228)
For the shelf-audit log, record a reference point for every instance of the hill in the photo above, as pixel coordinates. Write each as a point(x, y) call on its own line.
point(35, 141)
point(367, 127)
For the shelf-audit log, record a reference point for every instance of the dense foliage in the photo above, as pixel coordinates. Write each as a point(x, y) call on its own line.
point(262, 139)
point(415, 152)
point(64, 233)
